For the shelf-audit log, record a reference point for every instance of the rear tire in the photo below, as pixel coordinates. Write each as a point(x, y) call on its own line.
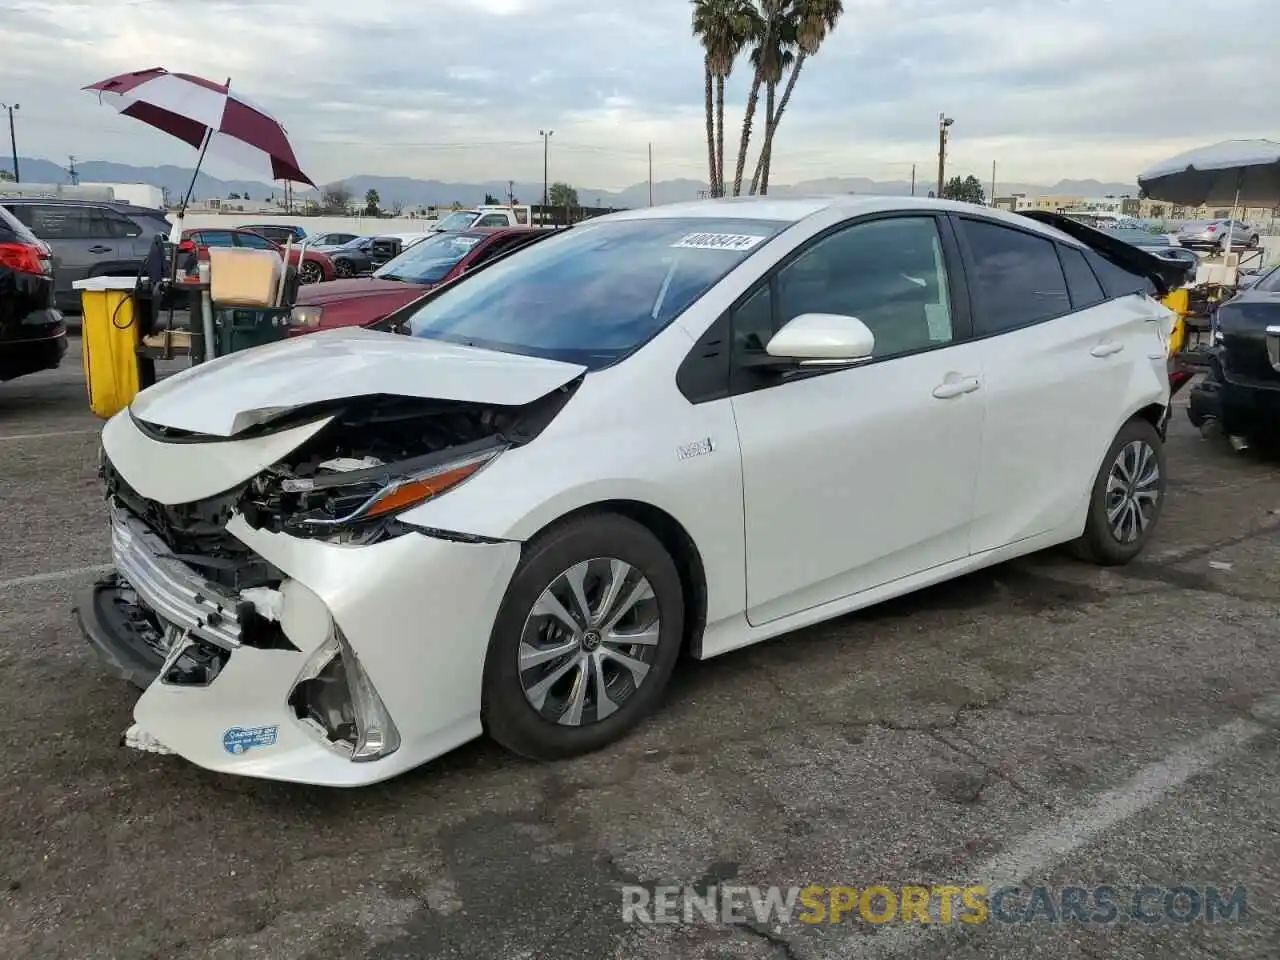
point(557, 687)
point(310, 272)
point(344, 269)
point(1127, 497)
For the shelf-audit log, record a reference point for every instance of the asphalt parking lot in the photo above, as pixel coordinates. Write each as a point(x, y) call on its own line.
point(1042, 723)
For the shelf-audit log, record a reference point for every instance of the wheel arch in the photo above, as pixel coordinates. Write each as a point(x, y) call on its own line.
point(675, 539)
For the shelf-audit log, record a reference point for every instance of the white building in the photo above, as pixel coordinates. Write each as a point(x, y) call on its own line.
point(139, 194)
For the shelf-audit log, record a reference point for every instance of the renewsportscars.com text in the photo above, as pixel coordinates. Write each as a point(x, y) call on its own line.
point(943, 904)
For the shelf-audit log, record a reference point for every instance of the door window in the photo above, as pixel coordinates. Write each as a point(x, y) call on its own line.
point(1017, 279)
point(888, 273)
point(49, 222)
point(215, 238)
point(253, 241)
point(1082, 285)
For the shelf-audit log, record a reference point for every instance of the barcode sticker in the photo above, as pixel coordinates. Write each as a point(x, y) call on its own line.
point(718, 241)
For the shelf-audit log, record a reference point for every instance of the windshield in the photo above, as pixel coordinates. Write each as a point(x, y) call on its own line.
point(1270, 282)
point(457, 221)
point(428, 261)
point(359, 243)
point(594, 293)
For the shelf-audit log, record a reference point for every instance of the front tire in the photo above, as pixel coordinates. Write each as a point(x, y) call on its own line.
point(1127, 497)
point(344, 269)
point(585, 640)
point(310, 272)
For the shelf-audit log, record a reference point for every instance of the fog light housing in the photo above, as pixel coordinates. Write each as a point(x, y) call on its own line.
point(335, 698)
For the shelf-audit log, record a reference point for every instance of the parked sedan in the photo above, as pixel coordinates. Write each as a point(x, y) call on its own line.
point(312, 267)
point(678, 429)
point(280, 233)
point(363, 255)
point(33, 335)
point(1212, 235)
point(430, 263)
point(328, 242)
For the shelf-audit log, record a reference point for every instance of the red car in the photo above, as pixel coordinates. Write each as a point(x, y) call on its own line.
point(315, 266)
point(428, 263)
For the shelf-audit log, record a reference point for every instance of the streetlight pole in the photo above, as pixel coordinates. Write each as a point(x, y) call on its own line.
point(546, 194)
point(943, 123)
point(13, 140)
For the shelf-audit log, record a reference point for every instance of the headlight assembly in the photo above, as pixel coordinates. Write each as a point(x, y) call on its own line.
point(308, 317)
point(349, 504)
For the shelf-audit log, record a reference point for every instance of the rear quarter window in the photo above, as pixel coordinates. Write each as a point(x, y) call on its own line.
point(1116, 281)
point(1082, 285)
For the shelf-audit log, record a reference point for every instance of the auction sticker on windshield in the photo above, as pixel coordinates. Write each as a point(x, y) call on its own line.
point(718, 241)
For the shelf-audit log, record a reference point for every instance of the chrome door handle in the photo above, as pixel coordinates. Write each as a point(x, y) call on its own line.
point(954, 388)
point(1107, 349)
point(99, 248)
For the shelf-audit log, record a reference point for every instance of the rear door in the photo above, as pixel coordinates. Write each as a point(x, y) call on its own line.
point(80, 241)
point(1058, 355)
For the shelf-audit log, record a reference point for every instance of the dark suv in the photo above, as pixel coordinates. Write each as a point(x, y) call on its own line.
point(89, 238)
point(32, 334)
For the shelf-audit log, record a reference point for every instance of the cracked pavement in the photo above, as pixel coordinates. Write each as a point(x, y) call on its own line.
point(921, 742)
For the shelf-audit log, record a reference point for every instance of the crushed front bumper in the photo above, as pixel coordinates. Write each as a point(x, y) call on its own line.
point(416, 611)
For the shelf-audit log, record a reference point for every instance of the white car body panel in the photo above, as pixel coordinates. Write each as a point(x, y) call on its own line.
point(226, 395)
point(827, 459)
point(372, 592)
point(803, 501)
point(1040, 454)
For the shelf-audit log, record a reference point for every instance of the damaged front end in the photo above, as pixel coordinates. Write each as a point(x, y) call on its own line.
point(256, 567)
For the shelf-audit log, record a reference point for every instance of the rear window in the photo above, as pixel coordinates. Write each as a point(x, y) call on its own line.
point(13, 228)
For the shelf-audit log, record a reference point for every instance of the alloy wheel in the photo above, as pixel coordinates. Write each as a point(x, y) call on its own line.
point(309, 273)
point(589, 642)
point(1133, 491)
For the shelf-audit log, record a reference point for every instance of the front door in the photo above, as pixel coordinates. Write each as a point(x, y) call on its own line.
point(858, 476)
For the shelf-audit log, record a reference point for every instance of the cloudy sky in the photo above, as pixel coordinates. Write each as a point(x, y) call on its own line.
point(459, 89)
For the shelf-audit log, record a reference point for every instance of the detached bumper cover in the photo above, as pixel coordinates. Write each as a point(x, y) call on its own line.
point(416, 611)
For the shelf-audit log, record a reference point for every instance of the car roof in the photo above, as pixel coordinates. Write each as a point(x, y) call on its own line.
point(792, 210)
point(120, 206)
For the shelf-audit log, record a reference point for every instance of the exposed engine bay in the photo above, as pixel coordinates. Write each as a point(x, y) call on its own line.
point(372, 445)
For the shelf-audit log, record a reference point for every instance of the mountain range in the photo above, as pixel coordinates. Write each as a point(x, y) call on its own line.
point(413, 192)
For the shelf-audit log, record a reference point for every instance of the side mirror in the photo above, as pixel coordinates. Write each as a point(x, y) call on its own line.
point(823, 339)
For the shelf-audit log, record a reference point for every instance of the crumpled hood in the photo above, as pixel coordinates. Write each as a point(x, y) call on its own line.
point(314, 294)
point(230, 394)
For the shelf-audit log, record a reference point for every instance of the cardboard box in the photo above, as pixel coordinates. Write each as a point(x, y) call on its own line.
point(243, 277)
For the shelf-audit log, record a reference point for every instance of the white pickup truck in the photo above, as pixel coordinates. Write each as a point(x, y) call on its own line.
point(484, 216)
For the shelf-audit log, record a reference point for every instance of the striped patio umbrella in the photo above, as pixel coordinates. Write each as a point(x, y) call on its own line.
point(209, 117)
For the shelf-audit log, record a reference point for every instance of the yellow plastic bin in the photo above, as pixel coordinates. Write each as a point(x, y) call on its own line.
point(109, 343)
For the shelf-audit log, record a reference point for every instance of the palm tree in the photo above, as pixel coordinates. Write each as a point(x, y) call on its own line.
point(813, 21)
point(723, 26)
point(766, 22)
point(771, 62)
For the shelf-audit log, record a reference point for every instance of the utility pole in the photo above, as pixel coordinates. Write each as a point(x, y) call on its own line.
point(511, 192)
point(993, 184)
point(13, 140)
point(913, 179)
point(546, 190)
point(943, 123)
point(651, 174)
point(71, 171)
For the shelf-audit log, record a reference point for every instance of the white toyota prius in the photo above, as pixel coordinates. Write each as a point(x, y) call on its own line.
point(686, 428)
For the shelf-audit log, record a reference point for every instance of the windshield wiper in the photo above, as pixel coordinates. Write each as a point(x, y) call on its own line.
point(392, 276)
